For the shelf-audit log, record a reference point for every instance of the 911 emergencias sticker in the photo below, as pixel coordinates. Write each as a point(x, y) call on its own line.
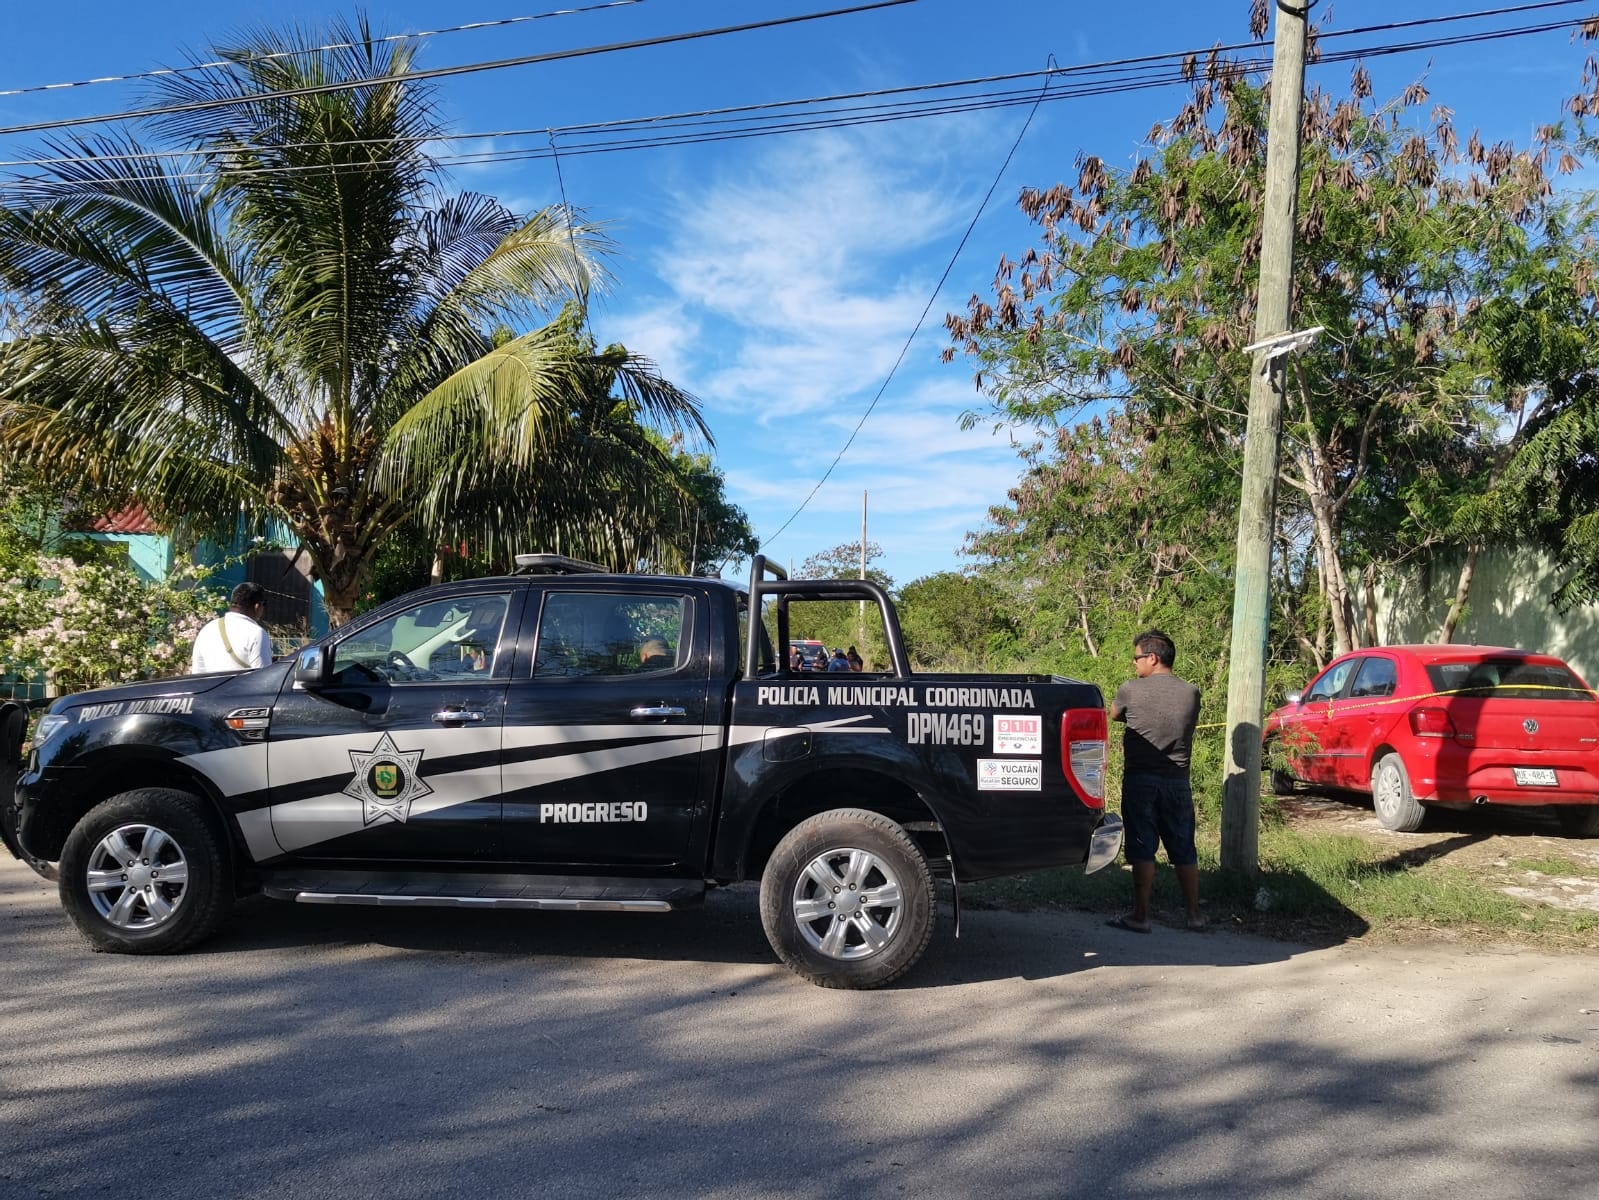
point(1018, 735)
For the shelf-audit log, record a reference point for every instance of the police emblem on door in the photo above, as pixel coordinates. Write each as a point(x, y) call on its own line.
point(386, 781)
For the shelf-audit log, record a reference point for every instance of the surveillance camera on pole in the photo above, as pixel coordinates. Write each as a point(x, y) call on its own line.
point(1279, 345)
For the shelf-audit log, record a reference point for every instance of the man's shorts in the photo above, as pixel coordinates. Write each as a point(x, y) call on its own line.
point(1158, 810)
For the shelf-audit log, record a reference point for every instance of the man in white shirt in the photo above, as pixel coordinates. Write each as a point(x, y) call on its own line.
point(235, 641)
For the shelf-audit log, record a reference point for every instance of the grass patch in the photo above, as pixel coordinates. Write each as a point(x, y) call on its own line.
point(1315, 887)
point(1553, 864)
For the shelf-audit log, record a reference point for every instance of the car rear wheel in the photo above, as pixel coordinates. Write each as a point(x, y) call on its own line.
point(145, 872)
point(847, 900)
point(1578, 820)
point(1396, 807)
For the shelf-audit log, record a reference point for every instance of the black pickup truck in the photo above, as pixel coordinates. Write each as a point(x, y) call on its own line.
point(564, 738)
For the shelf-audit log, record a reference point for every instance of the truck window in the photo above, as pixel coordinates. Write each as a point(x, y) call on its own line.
point(592, 633)
point(457, 637)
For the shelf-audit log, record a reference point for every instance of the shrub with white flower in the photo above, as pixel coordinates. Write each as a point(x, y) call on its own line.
point(93, 624)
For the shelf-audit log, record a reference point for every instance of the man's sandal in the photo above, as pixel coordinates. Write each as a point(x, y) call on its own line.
point(1127, 922)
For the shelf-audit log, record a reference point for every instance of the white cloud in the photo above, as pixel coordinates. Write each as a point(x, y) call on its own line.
point(786, 286)
point(664, 333)
point(810, 257)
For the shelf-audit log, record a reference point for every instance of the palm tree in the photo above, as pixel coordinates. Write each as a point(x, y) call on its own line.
point(295, 320)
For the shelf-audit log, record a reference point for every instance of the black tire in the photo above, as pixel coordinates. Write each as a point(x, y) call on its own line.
point(174, 888)
point(848, 942)
point(1578, 820)
point(1283, 781)
point(1396, 806)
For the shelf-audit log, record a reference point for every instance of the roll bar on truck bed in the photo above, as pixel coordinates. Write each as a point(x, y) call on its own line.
point(768, 579)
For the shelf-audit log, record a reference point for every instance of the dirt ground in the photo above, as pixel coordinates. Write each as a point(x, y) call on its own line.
point(1519, 852)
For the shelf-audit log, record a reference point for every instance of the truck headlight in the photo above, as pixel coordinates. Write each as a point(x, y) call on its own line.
point(47, 726)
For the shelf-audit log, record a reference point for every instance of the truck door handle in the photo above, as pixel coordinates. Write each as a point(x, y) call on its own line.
point(644, 711)
point(459, 716)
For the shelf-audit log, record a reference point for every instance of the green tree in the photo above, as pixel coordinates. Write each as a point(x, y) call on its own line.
point(1538, 346)
point(1139, 300)
point(706, 529)
point(699, 533)
point(843, 623)
point(956, 622)
point(309, 332)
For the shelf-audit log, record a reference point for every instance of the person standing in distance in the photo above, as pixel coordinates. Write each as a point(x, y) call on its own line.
point(1160, 712)
point(235, 641)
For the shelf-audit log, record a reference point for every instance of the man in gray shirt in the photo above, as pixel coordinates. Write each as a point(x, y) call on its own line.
point(1160, 711)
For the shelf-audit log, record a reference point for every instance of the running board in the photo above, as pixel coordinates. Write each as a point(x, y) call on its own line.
point(547, 893)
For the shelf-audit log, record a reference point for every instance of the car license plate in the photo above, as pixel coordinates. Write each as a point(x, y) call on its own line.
point(1534, 776)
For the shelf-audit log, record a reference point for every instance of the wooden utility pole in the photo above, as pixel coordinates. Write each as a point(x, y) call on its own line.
point(860, 613)
point(1246, 683)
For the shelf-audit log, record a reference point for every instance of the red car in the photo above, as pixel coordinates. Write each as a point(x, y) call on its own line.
point(1452, 726)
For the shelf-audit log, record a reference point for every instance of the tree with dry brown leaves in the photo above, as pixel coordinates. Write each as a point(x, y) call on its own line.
point(1136, 302)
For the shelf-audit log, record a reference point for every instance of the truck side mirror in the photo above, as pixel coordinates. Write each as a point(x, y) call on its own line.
point(311, 667)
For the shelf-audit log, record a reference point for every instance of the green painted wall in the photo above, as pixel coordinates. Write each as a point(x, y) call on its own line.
point(1508, 606)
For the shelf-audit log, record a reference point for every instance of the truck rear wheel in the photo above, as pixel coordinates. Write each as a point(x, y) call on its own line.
point(145, 872)
point(847, 900)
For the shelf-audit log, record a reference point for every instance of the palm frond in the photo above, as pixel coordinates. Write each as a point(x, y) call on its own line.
point(104, 236)
point(477, 263)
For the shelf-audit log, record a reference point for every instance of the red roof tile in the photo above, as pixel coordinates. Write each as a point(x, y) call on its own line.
point(132, 519)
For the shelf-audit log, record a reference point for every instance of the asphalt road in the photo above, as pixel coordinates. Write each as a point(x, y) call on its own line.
point(314, 1052)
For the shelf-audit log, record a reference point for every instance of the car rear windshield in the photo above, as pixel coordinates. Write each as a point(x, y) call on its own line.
point(1507, 678)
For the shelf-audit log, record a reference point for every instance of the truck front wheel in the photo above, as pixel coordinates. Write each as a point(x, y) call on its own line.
point(145, 873)
point(847, 900)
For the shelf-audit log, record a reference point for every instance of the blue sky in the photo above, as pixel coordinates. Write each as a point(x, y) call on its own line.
point(779, 278)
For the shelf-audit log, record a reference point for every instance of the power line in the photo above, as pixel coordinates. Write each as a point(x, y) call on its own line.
point(778, 117)
point(524, 60)
point(502, 22)
point(928, 307)
point(158, 73)
point(1088, 67)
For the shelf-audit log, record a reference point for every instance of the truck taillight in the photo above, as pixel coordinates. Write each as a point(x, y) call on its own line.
point(1431, 722)
point(1082, 753)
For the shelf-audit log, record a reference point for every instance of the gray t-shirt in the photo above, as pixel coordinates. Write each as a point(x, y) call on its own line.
point(1161, 711)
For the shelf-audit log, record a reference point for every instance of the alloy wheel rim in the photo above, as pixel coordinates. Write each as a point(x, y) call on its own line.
point(848, 904)
point(137, 877)
point(1386, 792)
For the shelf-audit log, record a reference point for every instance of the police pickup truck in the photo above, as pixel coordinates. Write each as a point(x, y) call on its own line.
point(564, 738)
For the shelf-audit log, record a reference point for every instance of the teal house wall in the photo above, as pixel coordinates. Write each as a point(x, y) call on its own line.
point(295, 609)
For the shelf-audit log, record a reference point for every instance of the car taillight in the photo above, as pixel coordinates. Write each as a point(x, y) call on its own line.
point(1082, 753)
point(1431, 722)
